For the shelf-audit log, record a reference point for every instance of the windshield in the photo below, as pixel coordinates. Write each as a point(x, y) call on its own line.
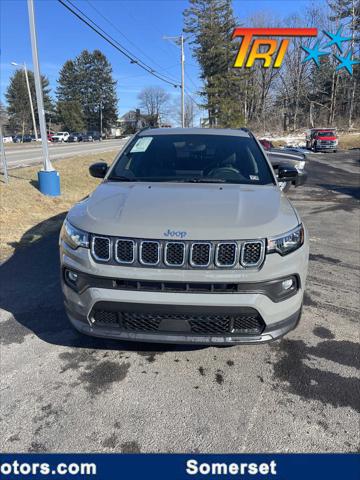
point(328, 133)
point(193, 158)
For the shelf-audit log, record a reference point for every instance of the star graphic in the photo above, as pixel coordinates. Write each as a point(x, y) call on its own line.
point(313, 53)
point(346, 62)
point(336, 39)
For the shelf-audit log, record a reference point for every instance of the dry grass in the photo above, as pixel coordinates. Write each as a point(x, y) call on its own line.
point(27, 215)
point(349, 140)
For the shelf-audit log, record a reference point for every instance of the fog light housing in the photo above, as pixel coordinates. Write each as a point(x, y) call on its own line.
point(287, 284)
point(72, 276)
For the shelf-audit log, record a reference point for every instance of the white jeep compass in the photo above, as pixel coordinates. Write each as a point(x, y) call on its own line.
point(188, 239)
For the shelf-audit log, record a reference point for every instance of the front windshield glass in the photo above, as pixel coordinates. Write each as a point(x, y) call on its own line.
point(193, 158)
point(328, 133)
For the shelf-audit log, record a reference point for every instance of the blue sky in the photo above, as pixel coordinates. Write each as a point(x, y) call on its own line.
point(140, 28)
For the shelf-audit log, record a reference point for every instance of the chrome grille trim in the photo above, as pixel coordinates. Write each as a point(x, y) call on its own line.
point(141, 252)
point(214, 256)
point(93, 240)
point(261, 258)
point(134, 250)
point(220, 265)
point(169, 264)
point(195, 265)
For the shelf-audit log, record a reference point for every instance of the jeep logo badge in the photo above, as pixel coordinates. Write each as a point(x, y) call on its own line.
point(175, 233)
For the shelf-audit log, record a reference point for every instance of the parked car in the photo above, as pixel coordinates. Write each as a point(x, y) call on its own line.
point(267, 144)
point(50, 137)
point(94, 135)
point(286, 157)
point(60, 137)
point(187, 240)
point(75, 137)
point(321, 139)
point(22, 138)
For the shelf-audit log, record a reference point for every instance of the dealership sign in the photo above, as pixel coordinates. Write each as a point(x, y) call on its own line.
point(276, 42)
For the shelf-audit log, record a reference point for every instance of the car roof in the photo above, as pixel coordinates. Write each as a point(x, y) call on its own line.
point(194, 131)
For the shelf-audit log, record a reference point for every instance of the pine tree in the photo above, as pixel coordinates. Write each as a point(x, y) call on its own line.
point(18, 101)
point(210, 24)
point(86, 84)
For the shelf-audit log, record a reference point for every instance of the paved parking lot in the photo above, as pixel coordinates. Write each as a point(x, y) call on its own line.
point(64, 392)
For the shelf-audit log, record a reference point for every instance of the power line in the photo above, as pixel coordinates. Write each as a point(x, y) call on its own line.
point(133, 59)
point(124, 36)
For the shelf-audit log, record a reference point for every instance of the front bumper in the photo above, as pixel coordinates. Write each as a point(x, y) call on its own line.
point(326, 146)
point(278, 317)
point(270, 333)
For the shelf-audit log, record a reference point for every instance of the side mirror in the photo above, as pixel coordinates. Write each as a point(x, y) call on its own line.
point(286, 173)
point(98, 170)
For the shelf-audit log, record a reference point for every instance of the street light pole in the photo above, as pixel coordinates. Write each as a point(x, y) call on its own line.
point(23, 65)
point(182, 82)
point(49, 180)
point(179, 40)
point(3, 156)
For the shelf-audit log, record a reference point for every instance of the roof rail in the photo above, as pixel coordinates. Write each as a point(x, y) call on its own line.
point(244, 129)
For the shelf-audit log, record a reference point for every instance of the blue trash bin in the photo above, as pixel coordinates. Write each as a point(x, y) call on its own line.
point(49, 182)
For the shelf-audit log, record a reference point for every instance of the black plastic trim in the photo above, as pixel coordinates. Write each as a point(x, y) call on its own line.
point(267, 288)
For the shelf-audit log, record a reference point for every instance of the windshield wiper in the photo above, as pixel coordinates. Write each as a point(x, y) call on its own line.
point(197, 180)
point(206, 180)
point(123, 179)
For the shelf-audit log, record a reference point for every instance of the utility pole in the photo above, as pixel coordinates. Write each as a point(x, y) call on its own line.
point(49, 180)
point(101, 121)
point(23, 65)
point(179, 41)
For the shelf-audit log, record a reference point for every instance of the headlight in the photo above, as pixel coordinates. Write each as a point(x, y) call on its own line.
point(288, 242)
point(74, 237)
point(300, 165)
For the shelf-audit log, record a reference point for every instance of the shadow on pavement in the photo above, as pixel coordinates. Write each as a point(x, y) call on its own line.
point(31, 293)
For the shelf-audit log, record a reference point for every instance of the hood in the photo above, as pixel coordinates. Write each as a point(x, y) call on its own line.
point(188, 211)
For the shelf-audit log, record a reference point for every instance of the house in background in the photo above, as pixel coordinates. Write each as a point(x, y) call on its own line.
point(132, 121)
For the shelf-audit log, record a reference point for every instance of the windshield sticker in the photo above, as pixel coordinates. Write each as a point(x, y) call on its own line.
point(141, 145)
point(254, 177)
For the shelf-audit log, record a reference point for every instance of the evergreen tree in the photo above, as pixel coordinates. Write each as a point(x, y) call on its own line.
point(18, 101)
point(87, 82)
point(210, 24)
point(70, 115)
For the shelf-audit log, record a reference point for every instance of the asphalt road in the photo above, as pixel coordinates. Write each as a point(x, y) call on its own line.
point(31, 154)
point(63, 392)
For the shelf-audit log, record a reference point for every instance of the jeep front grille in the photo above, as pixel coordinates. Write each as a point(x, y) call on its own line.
point(178, 254)
point(226, 254)
point(251, 253)
point(124, 251)
point(100, 247)
point(174, 254)
point(200, 254)
point(149, 253)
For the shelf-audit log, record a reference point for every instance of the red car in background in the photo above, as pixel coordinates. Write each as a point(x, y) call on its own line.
point(321, 139)
point(266, 143)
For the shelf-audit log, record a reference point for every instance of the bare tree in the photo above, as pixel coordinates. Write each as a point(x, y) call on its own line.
point(155, 102)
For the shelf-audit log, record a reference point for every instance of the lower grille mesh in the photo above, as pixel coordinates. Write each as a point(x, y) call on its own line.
point(247, 323)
